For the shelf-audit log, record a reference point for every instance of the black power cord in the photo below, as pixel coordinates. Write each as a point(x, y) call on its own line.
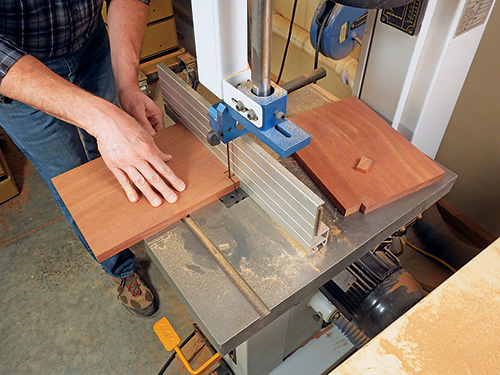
point(193, 78)
point(292, 19)
point(169, 361)
point(318, 40)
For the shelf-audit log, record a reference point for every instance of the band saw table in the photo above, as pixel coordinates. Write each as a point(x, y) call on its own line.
point(275, 270)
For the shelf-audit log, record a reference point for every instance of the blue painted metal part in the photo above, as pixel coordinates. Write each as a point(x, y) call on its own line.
point(223, 123)
point(342, 24)
point(283, 137)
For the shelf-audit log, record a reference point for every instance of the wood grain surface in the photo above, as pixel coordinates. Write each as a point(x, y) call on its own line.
point(454, 330)
point(110, 223)
point(347, 131)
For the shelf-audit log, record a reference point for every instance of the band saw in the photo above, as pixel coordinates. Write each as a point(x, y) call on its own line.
point(250, 267)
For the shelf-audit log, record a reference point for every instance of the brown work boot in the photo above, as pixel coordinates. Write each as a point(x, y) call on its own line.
point(136, 296)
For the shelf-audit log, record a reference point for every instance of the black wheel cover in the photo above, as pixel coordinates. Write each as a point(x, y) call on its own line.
point(374, 4)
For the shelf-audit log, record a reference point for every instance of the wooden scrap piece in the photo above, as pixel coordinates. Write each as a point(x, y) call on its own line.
point(344, 132)
point(364, 165)
point(110, 223)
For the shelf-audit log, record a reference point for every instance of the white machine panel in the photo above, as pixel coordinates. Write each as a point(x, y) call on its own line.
point(220, 30)
point(449, 64)
point(421, 76)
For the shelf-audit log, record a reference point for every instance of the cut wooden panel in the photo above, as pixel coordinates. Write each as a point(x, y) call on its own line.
point(110, 223)
point(344, 133)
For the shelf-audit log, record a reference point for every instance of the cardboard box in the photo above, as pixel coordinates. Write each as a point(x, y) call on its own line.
point(8, 187)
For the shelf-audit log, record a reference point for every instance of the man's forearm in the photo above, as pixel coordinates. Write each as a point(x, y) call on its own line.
point(31, 82)
point(127, 149)
point(123, 136)
point(127, 20)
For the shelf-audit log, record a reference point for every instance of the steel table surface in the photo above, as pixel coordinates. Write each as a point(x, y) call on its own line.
point(278, 271)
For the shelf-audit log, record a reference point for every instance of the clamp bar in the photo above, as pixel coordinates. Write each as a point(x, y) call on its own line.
point(304, 80)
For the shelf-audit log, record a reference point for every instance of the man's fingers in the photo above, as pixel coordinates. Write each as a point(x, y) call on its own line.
point(144, 186)
point(157, 182)
point(142, 119)
point(126, 185)
point(137, 163)
point(169, 175)
point(156, 121)
point(147, 125)
point(165, 157)
point(155, 115)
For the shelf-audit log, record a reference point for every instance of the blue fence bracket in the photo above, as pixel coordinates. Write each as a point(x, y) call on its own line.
point(277, 132)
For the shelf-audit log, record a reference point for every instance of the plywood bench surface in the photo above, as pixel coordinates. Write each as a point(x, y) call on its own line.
point(453, 331)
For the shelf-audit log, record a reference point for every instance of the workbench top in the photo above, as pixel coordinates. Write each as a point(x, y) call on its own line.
point(454, 330)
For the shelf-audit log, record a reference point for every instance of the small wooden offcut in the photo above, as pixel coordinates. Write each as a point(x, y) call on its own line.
point(110, 223)
point(364, 165)
point(358, 160)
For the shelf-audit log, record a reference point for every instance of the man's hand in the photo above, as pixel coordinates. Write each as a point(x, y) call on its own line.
point(138, 105)
point(132, 156)
point(127, 147)
point(127, 21)
point(144, 164)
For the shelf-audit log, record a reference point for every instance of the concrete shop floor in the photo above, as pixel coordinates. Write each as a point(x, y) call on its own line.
point(59, 312)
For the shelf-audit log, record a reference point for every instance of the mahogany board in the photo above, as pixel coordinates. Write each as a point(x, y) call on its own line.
point(343, 133)
point(110, 223)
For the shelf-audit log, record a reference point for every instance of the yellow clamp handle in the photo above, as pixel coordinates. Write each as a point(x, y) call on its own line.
point(170, 340)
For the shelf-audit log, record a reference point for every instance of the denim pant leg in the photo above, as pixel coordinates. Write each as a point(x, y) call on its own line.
point(55, 147)
point(91, 70)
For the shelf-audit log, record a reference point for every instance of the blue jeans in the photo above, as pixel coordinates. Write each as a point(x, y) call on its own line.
point(54, 146)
